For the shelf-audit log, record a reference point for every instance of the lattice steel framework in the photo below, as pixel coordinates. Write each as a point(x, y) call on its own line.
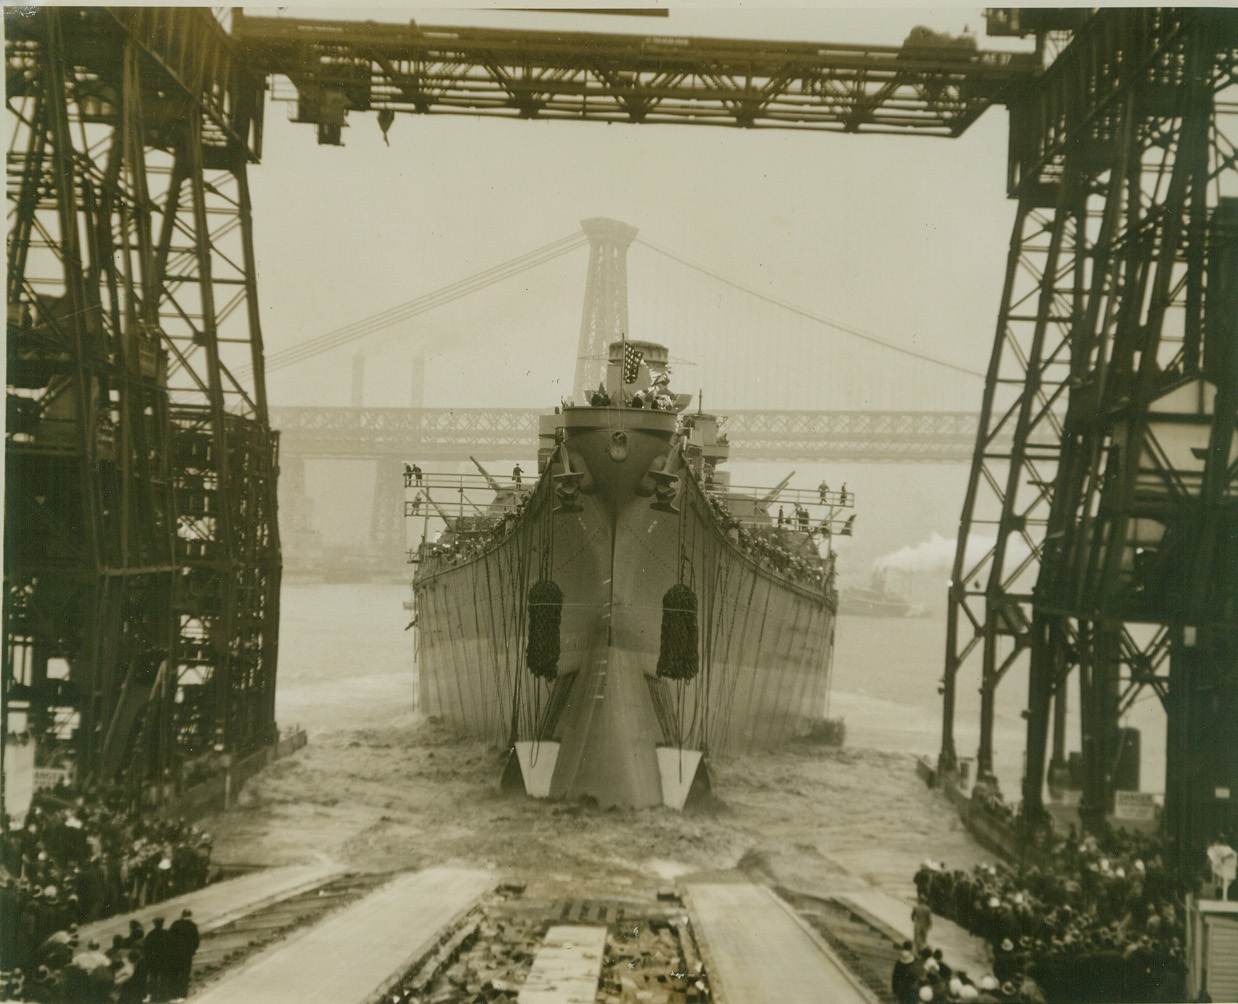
point(342, 66)
point(141, 551)
point(504, 433)
point(1115, 370)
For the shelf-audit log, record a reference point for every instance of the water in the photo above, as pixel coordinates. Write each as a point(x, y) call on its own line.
point(346, 661)
point(887, 672)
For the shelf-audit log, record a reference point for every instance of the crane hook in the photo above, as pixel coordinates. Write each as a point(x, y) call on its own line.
point(385, 118)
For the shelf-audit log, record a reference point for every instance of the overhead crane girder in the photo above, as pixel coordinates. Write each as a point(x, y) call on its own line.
point(936, 87)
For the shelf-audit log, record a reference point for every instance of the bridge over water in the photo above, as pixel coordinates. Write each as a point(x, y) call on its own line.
point(511, 434)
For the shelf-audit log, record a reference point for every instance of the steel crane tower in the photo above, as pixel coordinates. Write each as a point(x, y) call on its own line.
point(1115, 367)
point(142, 559)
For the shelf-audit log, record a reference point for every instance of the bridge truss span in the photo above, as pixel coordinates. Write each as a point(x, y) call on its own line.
point(510, 433)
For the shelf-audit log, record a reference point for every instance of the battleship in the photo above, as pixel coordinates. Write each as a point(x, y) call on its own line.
point(628, 613)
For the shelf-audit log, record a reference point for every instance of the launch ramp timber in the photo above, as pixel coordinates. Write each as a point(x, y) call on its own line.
point(880, 909)
point(566, 967)
point(221, 902)
point(359, 952)
point(757, 950)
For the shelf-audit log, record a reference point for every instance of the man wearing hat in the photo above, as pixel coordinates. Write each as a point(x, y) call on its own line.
point(44, 988)
point(921, 921)
point(904, 978)
point(155, 950)
point(9, 910)
point(183, 941)
point(1003, 961)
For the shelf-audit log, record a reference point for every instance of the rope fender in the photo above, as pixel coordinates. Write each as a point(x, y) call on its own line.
point(545, 613)
point(677, 658)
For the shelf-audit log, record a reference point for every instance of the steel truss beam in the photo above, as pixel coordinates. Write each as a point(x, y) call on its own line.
point(1116, 508)
point(141, 555)
point(503, 433)
point(933, 88)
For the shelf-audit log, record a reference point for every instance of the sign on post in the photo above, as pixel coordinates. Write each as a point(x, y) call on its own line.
point(1134, 805)
point(49, 777)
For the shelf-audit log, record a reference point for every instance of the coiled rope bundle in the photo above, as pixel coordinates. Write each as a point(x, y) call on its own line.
point(545, 614)
point(677, 658)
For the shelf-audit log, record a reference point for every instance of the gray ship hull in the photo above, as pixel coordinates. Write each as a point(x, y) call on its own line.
point(764, 634)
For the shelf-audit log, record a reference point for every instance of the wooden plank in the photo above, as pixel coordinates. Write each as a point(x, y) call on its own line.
point(567, 967)
point(758, 951)
point(220, 903)
point(357, 952)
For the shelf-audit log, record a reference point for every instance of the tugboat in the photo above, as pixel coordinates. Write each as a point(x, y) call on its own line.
point(628, 613)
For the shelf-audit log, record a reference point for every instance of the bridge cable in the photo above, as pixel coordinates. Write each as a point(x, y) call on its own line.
point(892, 346)
point(428, 301)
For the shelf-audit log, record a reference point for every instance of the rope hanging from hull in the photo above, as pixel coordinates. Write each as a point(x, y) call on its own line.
point(678, 658)
point(545, 615)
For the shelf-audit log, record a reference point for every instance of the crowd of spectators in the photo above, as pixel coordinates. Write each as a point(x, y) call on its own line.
point(77, 859)
point(471, 536)
point(926, 978)
point(1093, 922)
point(774, 547)
point(140, 966)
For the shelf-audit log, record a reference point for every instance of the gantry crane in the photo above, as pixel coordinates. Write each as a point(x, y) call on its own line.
point(1107, 437)
point(1115, 368)
point(141, 559)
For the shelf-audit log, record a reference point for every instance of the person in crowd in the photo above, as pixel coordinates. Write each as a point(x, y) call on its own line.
point(183, 941)
point(155, 950)
point(921, 921)
point(8, 923)
point(904, 978)
point(135, 985)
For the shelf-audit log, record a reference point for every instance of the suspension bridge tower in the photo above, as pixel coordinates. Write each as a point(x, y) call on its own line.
point(605, 315)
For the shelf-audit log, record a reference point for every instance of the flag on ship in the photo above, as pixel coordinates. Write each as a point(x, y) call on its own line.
point(631, 363)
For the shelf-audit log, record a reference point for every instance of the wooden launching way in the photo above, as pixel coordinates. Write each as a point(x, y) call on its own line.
point(566, 968)
point(759, 951)
point(220, 903)
point(880, 909)
point(356, 954)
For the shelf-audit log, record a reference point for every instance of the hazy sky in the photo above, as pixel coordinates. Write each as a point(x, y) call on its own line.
point(903, 237)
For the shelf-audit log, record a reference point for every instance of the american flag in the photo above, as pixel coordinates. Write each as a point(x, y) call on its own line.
point(631, 363)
